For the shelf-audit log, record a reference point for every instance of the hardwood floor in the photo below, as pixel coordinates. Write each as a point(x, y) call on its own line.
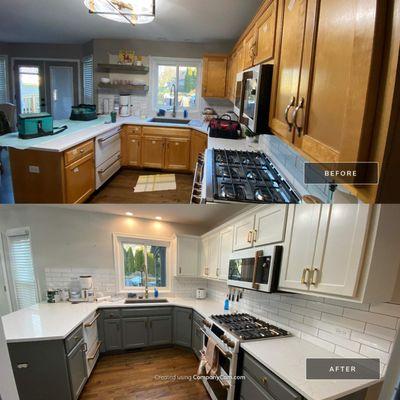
point(133, 376)
point(119, 190)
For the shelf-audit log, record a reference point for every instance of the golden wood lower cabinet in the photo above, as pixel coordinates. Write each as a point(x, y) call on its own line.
point(53, 177)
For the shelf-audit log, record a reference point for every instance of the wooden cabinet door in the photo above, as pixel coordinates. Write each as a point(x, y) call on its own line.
point(112, 334)
point(198, 146)
point(160, 330)
point(225, 251)
point(340, 249)
point(270, 225)
point(214, 75)
point(213, 255)
point(239, 60)
point(153, 152)
point(183, 326)
point(291, 27)
point(242, 233)
point(299, 247)
point(249, 49)
point(80, 180)
point(132, 151)
point(265, 31)
point(134, 333)
point(339, 64)
point(177, 155)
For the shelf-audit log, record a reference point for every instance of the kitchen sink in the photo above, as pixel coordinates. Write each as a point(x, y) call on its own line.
point(171, 121)
point(145, 301)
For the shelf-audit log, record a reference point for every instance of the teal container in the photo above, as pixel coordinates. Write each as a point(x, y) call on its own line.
point(35, 125)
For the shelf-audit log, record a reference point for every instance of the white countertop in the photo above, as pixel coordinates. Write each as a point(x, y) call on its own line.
point(74, 135)
point(286, 357)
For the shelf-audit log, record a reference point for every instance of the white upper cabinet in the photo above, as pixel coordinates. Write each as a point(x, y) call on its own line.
point(187, 256)
point(266, 226)
point(299, 248)
point(243, 231)
point(203, 257)
point(213, 255)
point(225, 251)
point(339, 251)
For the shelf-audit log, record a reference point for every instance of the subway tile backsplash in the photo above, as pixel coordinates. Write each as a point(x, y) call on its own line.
point(345, 328)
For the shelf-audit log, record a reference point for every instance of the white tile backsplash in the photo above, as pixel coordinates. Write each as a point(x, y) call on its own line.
point(345, 328)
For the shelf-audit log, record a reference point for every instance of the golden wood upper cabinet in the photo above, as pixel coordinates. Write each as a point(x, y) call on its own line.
point(215, 68)
point(265, 34)
point(249, 49)
point(329, 95)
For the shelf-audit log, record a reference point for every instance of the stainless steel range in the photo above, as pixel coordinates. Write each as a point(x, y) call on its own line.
point(243, 176)
point(228, 331)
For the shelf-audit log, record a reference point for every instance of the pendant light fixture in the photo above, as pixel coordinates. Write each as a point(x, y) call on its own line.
point(125, 11)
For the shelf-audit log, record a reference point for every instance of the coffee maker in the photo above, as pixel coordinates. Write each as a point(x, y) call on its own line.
point(87, 291)
point(124, 105)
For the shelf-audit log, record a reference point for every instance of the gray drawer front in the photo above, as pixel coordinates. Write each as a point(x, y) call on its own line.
point(145, 312)
point(197, 318)
point(268, 381)
point(111, 313)
point(73, 339)
point(249, 390)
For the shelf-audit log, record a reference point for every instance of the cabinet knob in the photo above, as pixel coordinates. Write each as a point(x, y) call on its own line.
point(264, 380)
point(76, 170)
point(23, 366)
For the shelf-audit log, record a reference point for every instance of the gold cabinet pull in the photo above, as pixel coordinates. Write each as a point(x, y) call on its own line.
point(314, 278)
point(305, 277)
point(249, 237)
point(289, 106)
point(255, 235)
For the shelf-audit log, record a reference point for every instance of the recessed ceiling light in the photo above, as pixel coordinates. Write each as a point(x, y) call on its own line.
point(158, 218)
point(129, 214)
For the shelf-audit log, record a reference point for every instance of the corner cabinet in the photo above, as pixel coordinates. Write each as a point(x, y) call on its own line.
point(185, 255)
point(183, 326)
point(215, 69)
point(330, 120)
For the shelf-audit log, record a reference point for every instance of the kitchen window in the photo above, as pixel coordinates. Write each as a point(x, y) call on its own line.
point(3, 80)
point(140, 260)
point(20, 269)
point(185, 74)
point(87, 67)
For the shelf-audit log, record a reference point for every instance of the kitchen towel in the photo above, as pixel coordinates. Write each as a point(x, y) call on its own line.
point(212, 357)
point(155, 183)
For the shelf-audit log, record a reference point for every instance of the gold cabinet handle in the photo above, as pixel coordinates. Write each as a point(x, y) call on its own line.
point(249, 236)
point(255, 232)
point(299, 129)
point(305, 276)
point(314, 277)
point(289, 106)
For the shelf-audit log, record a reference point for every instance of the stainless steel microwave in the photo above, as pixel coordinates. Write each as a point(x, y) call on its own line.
point(238, 106)
point(256, 269)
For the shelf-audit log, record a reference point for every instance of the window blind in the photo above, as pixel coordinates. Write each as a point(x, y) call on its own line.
point(3, 80)
point(88, 80)
point(21, 268)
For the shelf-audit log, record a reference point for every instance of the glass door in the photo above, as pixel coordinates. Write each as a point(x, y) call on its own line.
point(29, 85)
point(62, 91)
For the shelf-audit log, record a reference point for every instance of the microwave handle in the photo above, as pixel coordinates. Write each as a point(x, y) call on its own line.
point(259, 254)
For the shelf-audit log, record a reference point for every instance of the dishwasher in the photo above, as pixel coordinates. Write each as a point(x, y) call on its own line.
point(91, 339)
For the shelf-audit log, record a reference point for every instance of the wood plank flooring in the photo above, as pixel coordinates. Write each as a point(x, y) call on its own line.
point(132, 376)
point(119, 190)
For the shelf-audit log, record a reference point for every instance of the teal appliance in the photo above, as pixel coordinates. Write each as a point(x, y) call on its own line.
point(83, 112)
point(37, 125)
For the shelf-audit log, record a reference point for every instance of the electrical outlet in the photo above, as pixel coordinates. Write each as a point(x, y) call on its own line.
point(341, 331)
point(34, 169)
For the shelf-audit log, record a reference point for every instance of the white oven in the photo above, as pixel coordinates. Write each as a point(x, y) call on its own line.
point(256, 269)
point(91, 339)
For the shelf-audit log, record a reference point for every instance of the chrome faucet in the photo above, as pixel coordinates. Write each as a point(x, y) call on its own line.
point(173, 88)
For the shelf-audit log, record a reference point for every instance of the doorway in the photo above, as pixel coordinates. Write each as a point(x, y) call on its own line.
point(46, 86)
point(5, 301)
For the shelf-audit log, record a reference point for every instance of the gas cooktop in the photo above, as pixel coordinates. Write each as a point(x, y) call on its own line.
point(248, 177)
point(246, 327)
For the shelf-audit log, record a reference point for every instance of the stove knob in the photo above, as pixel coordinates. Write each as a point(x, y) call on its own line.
point(206, 323)
point(230, 343)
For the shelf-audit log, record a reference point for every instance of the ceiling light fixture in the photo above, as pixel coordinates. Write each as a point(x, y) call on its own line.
point(126, 11)
point(158, 218)
point(129, 214)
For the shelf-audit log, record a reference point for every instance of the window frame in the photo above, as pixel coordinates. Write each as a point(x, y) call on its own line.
point(85, 59)
point(9, 275)
point(155, 62)
point(6, 76)
point(119, 238)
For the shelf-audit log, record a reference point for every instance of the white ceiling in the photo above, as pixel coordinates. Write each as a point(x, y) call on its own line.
point(68, 21)
point(204, 217)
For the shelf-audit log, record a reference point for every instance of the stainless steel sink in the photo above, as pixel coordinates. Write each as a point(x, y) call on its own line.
point(145, 301)
point(171, 121)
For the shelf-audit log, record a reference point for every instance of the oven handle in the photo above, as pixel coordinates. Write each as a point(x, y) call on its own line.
point(224, 353)
point(88, 324)
point(103, 140)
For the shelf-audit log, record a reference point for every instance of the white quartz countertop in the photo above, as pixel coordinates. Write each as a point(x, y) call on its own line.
point(285, 357)
point(74, 135)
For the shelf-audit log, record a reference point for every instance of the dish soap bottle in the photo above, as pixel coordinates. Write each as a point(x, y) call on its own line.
point(226, 304)
point(155, 292)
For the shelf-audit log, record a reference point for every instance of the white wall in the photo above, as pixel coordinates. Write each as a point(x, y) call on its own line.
point(78, 240)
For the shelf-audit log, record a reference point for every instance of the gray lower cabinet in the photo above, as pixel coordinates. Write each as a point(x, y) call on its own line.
point(183, 326)
point(134, 333)
point(112, 334)
point(77, 369)
point(197, 339)
point(160, 330)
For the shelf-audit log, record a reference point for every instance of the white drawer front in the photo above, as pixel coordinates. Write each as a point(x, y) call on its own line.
point(107, 145)
point(106, 170)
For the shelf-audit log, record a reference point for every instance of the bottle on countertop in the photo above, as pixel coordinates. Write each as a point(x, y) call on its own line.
point(226, 303)
point(155, 292)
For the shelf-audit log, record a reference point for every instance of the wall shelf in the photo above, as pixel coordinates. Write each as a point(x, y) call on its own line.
point(123, 69)
point(123, 89)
